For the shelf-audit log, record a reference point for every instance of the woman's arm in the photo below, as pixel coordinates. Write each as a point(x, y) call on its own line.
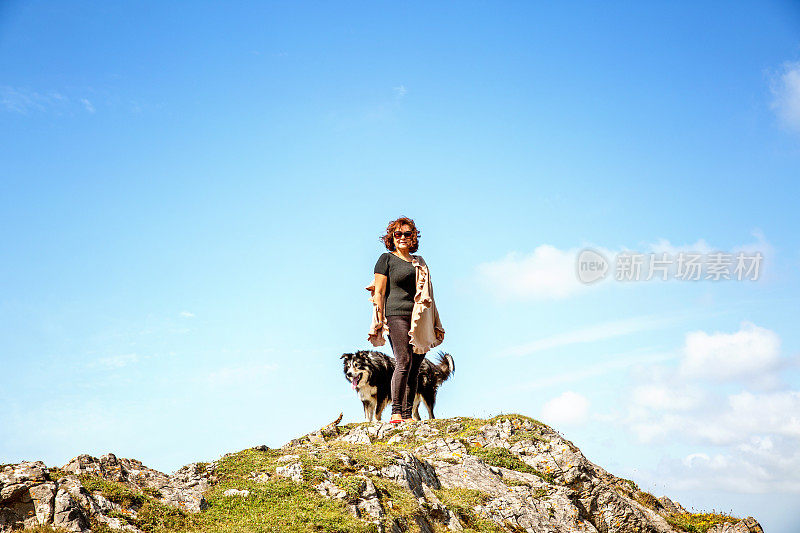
point(380, 294)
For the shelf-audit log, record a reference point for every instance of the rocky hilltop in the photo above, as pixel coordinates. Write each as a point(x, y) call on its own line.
point(509, 473)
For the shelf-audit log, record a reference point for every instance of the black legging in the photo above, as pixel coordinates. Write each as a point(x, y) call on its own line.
point(406, 369)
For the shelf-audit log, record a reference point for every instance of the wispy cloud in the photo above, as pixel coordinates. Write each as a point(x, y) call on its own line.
point(785, 88)
point(87, 105)
point(187, 314)
point(593, 333)
point(238, 376)
point(118, 361)
point(384, 108)
point(26, 101)
point(609, 364)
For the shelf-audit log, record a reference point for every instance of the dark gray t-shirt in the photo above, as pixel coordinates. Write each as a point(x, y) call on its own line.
point(401, 286)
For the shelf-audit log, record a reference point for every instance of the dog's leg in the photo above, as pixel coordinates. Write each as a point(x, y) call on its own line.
point(430, 400)
point(375, 409)
point(367, 410)
point(379, 410)
point(415, 411)
point(430, 410)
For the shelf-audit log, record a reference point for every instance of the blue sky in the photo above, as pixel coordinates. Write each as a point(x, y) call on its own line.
point(192, 194)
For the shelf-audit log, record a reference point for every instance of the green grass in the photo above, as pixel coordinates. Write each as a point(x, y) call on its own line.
point(541, 492)
point(404, 504)
point(462, 502)
point(352, 485)
point(115, 492)
point(504, 458)
point(631, 485)
point(699, 522)
point(648, 500)
point(283, 505)
point(151, 515)
point(54, 474)
point(516, 483)
point(279, 505)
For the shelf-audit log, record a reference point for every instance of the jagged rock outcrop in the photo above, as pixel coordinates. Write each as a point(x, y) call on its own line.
point(31, 494)
point(509, 473)
point(527, 475)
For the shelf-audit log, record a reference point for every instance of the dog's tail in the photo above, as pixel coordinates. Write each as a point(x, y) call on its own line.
point(445, 367)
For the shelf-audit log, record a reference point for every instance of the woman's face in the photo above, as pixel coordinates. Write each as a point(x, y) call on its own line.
point(402, 243)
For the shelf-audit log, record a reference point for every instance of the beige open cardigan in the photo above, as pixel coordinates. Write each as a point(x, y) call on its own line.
point(426, 328)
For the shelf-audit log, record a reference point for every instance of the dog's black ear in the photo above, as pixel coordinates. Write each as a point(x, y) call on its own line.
point(345, 355)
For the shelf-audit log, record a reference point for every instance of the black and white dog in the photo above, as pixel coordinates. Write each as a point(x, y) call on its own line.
point(370, 373)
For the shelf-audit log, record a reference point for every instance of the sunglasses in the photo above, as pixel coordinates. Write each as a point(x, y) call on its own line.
point(406, 234)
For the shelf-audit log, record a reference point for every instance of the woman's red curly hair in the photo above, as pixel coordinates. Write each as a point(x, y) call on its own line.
point(388, 239)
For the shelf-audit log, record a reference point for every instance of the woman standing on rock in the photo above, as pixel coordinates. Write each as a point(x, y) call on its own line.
point(403, 306)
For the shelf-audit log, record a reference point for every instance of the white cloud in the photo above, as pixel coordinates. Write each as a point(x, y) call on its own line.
point(187, 314)
point(786, 95)
point(663, 245)
point(777, 413)
point(746, 441)
point(666, 398)
point(720, 421)
point(568, 408)
point(545, 273)
point(764, 464)
point(400, 92)
point(751, 351)
point(118, 361)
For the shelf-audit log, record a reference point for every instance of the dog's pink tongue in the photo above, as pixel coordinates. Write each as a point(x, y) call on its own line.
point(354, 382)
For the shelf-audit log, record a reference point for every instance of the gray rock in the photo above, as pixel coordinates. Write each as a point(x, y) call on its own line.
point(30, 498)
point(184, 489)
point(326, 488)
point(44, 499)
point(260, 477)
point(67, 513)
point(293, 471)
point(369, 505)
point(748, 525)
point(670, 506)
point(358, 437)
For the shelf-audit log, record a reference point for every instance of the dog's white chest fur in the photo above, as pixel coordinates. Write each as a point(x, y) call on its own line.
point(367, 392)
